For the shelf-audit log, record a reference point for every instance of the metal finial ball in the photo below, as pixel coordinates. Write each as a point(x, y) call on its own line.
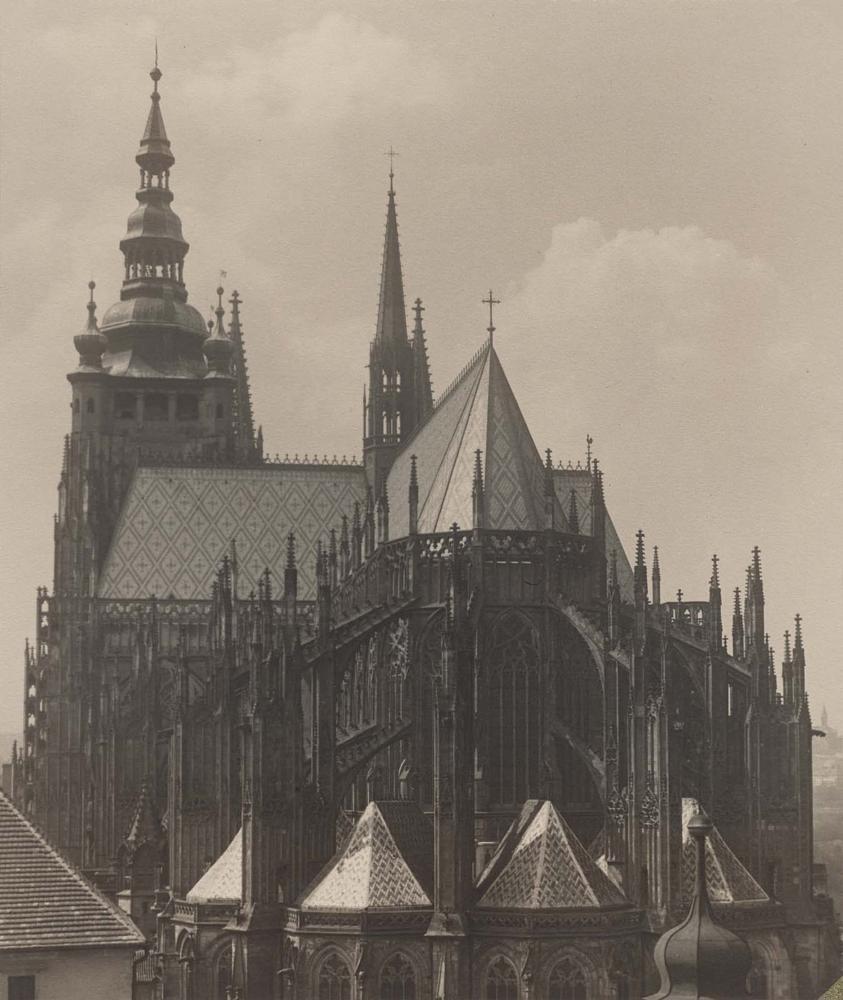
point(220, 290)
point(156, 74)
point(92, 284)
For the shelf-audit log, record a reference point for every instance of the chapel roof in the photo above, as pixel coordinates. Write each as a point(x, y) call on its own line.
point(177, 524)
point(386, 863)
point(223, 881)
point(44, 902)
point(540, 864)
point(478, 412)
point(727, 879)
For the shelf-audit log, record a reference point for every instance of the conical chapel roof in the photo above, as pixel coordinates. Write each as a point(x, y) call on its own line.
point(541, 865)
point(479, 412)
point(386, 863)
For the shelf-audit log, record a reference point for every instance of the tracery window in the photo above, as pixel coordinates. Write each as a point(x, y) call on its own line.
point(501, 981)
point(334, 979)
point(398, 979)
point(568, 981)
point(513, 718)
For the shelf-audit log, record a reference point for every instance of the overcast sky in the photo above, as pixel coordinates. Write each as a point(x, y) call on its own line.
point(654, 190)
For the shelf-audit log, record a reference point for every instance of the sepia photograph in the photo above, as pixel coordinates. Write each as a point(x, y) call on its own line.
point(422, 500)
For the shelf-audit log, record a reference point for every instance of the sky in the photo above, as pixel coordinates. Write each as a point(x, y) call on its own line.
point(654, 190)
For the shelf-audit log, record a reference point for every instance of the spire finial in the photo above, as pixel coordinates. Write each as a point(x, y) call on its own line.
point(797, 634)
point(756, 562)
point(639, 547)
point(391, 153)
point(787, 646)
point(589, 441)
point(715, 575)
point(491, 302)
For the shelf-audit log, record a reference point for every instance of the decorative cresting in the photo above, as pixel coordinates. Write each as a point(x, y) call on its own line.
point(701, 959)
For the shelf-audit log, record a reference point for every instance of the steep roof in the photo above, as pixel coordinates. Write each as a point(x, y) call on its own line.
point(178, 523)
point(385, 863)
point(540, 864)
point(479, 412)
point(223, 881)
point(46, 904)
point(727, 879)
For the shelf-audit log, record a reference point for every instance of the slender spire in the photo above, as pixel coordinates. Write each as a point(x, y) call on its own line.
point(90, 343)
point(787, 658)
point(392, 317)
point(714, 583)
point(218, 348)
point(413, 496)
point(657, 577)
point(242, 417)
point(421, 367)
point(797, 635)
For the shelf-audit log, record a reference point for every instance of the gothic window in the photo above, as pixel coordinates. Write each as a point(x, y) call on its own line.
point(398, 980)
point(187, 407)
point(513, 717)
point(155, 406)
point(567, 981)
point(501, 981)
point(334, 979)
point(89, 406)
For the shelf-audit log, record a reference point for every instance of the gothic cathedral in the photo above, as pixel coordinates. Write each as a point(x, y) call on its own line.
point(413, 727)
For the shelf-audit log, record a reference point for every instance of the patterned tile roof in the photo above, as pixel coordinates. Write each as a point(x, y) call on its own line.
point(480, 411)
point(540, 864)
point(223, 881)
point(387, 862)
point(727, 879)
point(177, 523)
point(46, 904)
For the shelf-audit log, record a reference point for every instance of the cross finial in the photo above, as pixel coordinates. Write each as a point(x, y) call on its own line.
point(391, 153)
point(491, 302)
point(679, 596)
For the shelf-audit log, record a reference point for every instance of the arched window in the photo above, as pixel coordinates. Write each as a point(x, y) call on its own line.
point(501, 981)
point(89, 406)
point(398, 979)
point(334, 979)
point(567, 981)
point(513, 692)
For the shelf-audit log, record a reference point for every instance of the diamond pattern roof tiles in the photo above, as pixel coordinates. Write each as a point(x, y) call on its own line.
point(540, 864)
point(480, 411)
point(385, 863)
point(46, 904)
point(177, 523)
point(727, 879)
point(223, 881)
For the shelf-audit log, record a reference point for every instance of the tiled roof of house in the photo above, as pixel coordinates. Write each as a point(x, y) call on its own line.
point(386, 862)
point(479, 412)
point(540, 864)
point(223, 881)
point(44, 902)
point(177, 524)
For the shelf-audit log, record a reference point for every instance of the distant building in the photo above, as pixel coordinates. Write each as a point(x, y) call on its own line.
point(410, 727)
point(60, 938)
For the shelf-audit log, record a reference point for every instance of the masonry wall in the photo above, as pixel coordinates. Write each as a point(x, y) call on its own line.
point(75, 974)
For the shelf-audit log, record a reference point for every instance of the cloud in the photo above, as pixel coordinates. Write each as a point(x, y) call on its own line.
point(340, 66)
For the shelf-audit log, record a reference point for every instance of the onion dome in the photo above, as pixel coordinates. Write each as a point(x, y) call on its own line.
point(218, 348)
point(700, 957)
point(90, 343)
point(154, 248)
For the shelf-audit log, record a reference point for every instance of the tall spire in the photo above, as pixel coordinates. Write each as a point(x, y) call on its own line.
point(392, 317)
point(657, 577)
point(242, 417)
point(154, 248)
